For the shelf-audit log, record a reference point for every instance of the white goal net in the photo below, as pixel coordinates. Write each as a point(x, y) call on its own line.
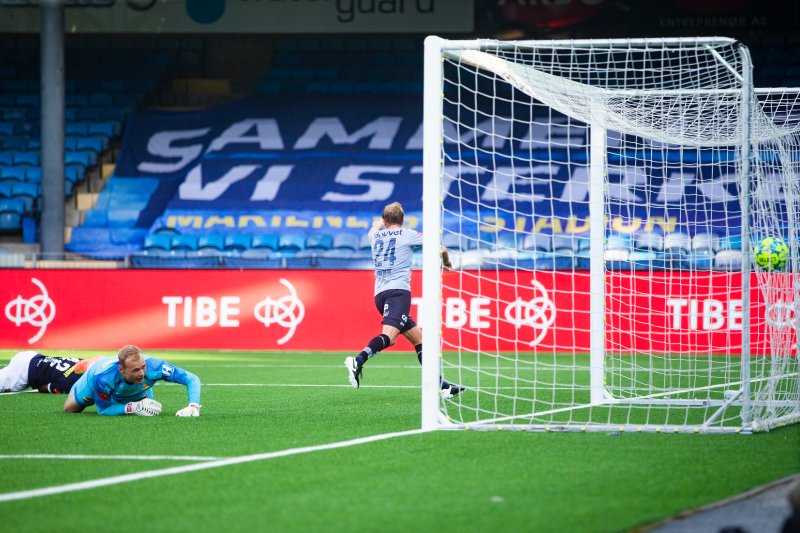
point(623, 219)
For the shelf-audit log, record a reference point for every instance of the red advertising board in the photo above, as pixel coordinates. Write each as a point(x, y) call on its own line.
point(333, 310)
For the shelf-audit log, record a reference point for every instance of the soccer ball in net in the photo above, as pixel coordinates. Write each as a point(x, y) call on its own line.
point(771, 253)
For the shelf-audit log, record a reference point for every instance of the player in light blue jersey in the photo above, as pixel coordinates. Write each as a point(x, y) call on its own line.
point(392, 255)
point(123, 385)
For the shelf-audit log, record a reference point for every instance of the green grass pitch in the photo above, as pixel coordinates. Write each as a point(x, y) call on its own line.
point(255, 403)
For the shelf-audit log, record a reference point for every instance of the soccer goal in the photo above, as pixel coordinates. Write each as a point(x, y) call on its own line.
point(622, 216)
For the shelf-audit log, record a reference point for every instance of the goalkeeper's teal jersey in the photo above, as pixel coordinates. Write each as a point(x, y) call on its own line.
point(392, 255)
point(103, 385)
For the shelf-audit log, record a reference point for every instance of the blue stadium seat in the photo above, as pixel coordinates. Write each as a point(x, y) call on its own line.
point(7, 157)
point(13, 142)
point(345, 241)
point(88, 114)
point(508, 240)
point(81, 157)
point(12, 173)
point(107, 128)
point(6, 128)
point(29, 99)
point(269, 87)
point(114, 86)
point(30, 158)
point(649, 241)
point(93, 143)
point(100, 99)
point(74, 173)
point(76, 128)
point(504, 249)
point(76, 100)
point(212, 244)
point(183, 243)
point(290, 243)
point(237, 242)
point(11, 211)
point(569, 244)
point(5, 189)
point(704, 247)
point(619, 241)
point(33, 174)
point(17, 114)
point(677, 242)
point(266, 241)
point(29, 193)
point(71, 142)
point(319, 243)
point(538, 243)
point(677, 251)
point(157, 243)
point(705, 241)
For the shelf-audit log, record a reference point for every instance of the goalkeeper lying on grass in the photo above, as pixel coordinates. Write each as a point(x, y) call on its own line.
point(123, 385)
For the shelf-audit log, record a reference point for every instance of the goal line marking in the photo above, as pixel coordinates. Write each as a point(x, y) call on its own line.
point(116, 480)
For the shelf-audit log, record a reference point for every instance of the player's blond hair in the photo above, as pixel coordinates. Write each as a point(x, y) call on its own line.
point(393, 213)
point(128, 352)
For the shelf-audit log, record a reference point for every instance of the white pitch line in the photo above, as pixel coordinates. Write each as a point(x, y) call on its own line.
point(116, 480)
point(315, 385)
point(115, 457)
point(259, 365)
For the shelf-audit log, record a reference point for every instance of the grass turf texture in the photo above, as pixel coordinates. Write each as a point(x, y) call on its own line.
point(442, 480)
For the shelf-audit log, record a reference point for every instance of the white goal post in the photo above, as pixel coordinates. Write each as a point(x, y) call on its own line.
point(601, 201)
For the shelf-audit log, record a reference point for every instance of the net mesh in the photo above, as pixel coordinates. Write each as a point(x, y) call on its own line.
point(516, 181)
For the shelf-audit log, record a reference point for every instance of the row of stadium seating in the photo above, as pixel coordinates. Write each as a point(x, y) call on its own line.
point(285, 245)
point(647, 250)
point(105, 80)
point(335, 65)
point(86, 154)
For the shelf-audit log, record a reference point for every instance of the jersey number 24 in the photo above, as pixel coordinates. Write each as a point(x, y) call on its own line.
point(388, 253)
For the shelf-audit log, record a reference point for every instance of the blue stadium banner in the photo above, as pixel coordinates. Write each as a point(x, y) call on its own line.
point(277, 163)
point(313, 163)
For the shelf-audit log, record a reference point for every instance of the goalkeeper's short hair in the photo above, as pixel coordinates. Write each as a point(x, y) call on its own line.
point(128, 352)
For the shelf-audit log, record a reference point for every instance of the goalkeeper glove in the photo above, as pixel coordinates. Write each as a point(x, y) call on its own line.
point(146, 407)
point(193, 409)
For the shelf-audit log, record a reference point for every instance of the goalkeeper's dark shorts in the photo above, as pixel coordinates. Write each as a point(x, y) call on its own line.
point(395, 305)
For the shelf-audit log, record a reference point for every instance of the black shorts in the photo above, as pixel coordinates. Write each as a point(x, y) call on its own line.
point(395, 305)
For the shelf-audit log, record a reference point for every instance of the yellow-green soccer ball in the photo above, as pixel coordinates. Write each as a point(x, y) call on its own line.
point(772, 253)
